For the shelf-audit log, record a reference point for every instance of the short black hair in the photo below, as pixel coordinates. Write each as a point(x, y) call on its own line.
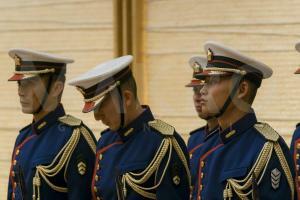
point(128, 83)
point(55, 77)
point(251, 92)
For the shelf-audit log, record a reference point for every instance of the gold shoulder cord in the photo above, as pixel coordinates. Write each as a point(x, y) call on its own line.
point(87, 136)
point(61, 159)
point(259, 168)
point(135, 180)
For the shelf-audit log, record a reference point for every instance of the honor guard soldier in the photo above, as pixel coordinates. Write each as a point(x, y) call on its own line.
point(198, 140)
point(53, 157)
point(253, 161)
point(138, 156)
point(295, 145)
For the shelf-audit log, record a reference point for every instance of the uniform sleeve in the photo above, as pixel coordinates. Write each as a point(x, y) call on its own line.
point(292, 147)
point(275, 183)
point(80, 171)
point(175, 184)
point(9, 186)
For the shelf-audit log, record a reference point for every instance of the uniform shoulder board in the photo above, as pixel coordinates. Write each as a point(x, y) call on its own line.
point(162, 127)
point(267, 131)
point(196, 130)
point(70, 120)
point(297, 125)
point(105, 131)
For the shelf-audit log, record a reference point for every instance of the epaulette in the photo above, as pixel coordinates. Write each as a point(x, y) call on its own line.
point(105, 131)
point(70, 120)
point(297, 125)
point(267, 131)
point(162, 127)
point(196, 130)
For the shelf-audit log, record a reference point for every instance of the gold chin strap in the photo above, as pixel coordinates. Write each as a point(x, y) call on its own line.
point(242, 188)
point(135, 180)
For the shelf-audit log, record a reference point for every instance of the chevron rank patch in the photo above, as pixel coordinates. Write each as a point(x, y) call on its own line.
point(275, 178)
point(81, 166)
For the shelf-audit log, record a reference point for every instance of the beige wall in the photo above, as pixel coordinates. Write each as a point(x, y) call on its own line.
point(80, 29)
point(174, 31)
point(267, 30)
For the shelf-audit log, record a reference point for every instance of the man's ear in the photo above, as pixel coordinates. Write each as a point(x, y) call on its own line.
point(243, 90)
point(128, 97)
point(57, 88)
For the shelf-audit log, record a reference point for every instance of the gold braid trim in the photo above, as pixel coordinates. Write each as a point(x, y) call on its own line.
point(134, 180)
point(45, 71)
point(259, 169)
point(218, 69)
point(50, 170)
point(109, 89)
point(89, 139)
point(285, 167)
point(182, 158)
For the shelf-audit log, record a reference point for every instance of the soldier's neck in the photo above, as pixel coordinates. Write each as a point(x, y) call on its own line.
point(212, 124)
point(133, 113)
point(45, 111)
point(230, 117)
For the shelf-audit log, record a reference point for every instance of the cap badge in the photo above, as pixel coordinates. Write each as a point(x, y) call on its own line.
point(17, 60)
point(210, 55)
point(196, 67)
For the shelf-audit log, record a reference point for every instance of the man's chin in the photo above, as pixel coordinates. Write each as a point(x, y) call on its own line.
point(203, 116)
point(27, 111)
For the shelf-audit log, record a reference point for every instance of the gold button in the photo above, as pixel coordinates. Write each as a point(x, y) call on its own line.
point(202, 163)
point(100, 156)
point(297, 156)
point(191, 155)
point(95, 189)
point(98, 198)
point(14, 196)
point(297, 166)
point(98, 167)
point(17, 152)
point(15, 162)
point(298, 145)
point(202, 175)
point(12, 173)
point(15, 184)
point(298, 178)
point(96, 178)
point(201, 187)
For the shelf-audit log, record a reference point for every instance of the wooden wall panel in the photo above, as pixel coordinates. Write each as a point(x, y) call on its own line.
point(267, 30)
point(79, 29)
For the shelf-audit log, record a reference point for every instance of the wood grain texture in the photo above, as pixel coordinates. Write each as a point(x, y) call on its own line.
point(79, 29)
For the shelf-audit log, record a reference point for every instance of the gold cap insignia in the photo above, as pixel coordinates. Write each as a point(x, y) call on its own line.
point(17, 60)
point(196, 67)
point(176, 180)
point(210, 55)
point(81, 168)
